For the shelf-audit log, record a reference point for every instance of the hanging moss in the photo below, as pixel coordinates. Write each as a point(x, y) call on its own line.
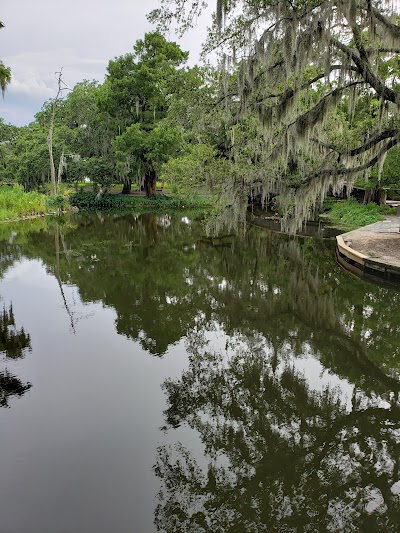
point(302, 67)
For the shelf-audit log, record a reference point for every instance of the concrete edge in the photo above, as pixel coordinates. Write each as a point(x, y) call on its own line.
point(352, 254)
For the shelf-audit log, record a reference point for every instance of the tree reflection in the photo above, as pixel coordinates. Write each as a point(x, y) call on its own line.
point(163, 277)
point(139, 265)
point(13, 344)
point(286, 450)
point(10, 386)
point(281, 455)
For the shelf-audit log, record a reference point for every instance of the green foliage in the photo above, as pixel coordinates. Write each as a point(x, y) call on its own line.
point(8, 132)
point(15, 203)
point(350, 214)
point(56, 203)
point(78, 116)
point(120, 130)
point(27, 161)
point(138, 84)
point(136, 97)
point(87, 200)
point(5, 73)
point(99, 171)
point(308, 95)
point(75, 171)
point(390, 175)
point(196, 168)
point(136, 149)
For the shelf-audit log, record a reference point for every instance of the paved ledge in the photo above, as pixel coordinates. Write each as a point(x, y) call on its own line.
point(379, 242)
point(373, 250)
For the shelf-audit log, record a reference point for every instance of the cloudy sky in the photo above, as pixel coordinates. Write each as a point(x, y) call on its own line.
point(41, 36)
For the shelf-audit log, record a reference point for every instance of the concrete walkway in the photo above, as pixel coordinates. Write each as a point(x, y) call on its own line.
point(379, 242)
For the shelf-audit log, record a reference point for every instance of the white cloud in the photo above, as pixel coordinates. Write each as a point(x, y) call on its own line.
point(79, 35)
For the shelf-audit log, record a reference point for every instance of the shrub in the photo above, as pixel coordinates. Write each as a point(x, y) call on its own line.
point(56, 203)
point(350, 214)
point(87, 200)
point(15, 203)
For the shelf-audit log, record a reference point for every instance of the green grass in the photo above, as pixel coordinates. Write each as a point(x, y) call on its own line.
point(87, 200)
point(350, 214)
point(15, 203)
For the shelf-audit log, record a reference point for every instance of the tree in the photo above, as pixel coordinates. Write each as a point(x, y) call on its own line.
point(142, 152)
point(135, 96)
point(26, 159)
point(61, 86)
point(101, 172)
point(201, 161)
point(91, 136)
point(297, 62)
point(5, 73)
point(8, 133)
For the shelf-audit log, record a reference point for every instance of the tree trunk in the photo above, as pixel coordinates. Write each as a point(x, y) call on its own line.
point(150, 181)
point(380, 196)
point(376, 195)
point(61, 87)
point(50, 146)
point(100, 193)
point(126, 189)
point(60, 169)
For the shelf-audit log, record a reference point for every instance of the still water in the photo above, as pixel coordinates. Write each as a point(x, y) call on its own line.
point(152, 378)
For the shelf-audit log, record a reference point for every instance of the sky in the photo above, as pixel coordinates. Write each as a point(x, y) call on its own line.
point(81, 36)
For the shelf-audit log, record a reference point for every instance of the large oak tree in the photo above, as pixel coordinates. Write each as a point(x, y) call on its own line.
point(136, 96)
point(301, 66)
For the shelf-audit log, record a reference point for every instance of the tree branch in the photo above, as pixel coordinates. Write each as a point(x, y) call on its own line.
point(311, 117)
point(379, 137)
point(343, 171)
point(289, 92)
point(365, 71)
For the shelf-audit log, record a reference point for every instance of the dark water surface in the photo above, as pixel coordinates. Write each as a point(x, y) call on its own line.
point(154, 378)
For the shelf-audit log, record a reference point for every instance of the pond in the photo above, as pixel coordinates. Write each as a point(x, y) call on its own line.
point(154, 378)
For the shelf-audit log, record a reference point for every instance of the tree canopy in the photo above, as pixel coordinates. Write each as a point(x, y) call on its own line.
point(135, 97)
point(5, 72)
point(299, 67)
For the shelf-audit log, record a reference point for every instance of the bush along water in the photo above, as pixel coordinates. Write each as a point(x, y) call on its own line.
point(15, 203)
point(88, 200)
point(350, 214)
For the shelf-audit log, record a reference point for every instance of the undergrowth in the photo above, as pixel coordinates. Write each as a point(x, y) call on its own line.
point(350, 214)
point(87, 200)
point(15, 203)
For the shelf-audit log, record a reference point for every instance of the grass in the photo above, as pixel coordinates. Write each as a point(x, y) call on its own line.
point(87, 200)
point(15, 203)
point(350, 214)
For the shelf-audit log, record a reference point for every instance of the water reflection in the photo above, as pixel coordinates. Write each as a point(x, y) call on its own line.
point(11, 386)
point(292, 382)
point(281, 455)
point(163, 276)
point(300, 425)
point(14, 343)
point(145, 268)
